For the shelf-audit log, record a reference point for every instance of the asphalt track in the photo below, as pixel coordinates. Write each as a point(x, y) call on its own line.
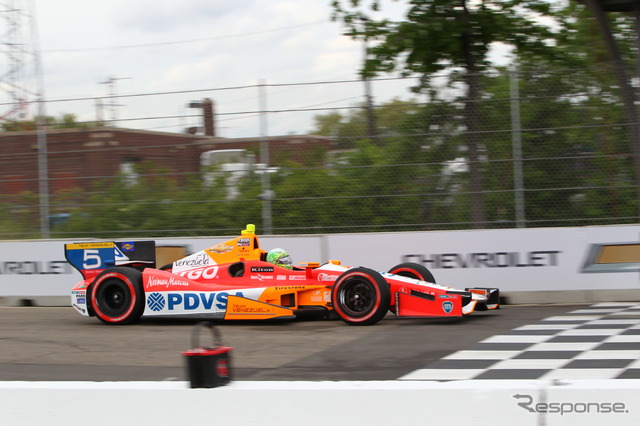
point(57, 344)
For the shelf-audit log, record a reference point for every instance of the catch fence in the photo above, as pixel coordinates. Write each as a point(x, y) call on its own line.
point(540, 148)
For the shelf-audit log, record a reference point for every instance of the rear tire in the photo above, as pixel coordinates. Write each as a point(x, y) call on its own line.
point(413, 270)
point(361, 296)
point(117, 296)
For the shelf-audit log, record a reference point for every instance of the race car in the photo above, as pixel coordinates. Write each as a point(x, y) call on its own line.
point(233, 281)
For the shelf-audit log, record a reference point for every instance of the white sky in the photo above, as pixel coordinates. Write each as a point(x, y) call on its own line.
point(151, 46)
point(173, 45)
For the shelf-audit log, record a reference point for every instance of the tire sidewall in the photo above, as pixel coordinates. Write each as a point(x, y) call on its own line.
point(127, 279)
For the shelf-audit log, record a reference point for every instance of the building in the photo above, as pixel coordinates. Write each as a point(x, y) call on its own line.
point(76, 157)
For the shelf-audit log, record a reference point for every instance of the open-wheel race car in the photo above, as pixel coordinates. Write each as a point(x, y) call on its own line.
point(233, 281)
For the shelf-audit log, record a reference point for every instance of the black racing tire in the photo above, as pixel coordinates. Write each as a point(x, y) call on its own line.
point(117, 296)
point(413, 270)
point(361, 296)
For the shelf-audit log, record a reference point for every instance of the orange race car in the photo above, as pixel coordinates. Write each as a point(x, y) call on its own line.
point(234, 280)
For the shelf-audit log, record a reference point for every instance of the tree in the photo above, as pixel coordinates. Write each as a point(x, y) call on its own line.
point(598, 9)
point(452, 35)
point(64, 121)
point(349, 128)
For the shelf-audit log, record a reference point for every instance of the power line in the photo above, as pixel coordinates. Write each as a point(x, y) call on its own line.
point(175, 42)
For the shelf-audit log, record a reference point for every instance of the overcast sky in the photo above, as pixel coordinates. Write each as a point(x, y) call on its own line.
point(153, 46)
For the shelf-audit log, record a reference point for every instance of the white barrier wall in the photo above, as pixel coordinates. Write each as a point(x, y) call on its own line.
point(584, 259)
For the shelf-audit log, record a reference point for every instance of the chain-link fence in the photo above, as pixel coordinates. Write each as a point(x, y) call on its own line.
point(539, 148)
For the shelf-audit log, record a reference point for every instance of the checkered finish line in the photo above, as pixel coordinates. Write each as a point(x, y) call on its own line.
point(601, 341)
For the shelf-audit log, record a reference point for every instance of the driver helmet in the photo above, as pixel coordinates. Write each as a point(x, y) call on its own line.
point(280, 257)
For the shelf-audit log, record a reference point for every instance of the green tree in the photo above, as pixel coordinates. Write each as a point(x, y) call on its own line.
point(64, 121)
point(452, 35)
point(349, 128)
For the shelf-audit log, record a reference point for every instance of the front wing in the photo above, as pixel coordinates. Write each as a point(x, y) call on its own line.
point(454, 304)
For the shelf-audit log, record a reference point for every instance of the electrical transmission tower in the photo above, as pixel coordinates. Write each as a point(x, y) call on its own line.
point(19, 61)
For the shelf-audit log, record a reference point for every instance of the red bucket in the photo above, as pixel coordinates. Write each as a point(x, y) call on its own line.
point(208, 367)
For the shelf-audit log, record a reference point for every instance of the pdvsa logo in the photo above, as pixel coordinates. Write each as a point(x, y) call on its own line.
point(179, 302)
point(156, 302)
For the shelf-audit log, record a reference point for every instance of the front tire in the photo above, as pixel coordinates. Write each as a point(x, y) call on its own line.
point(117, 296)
point(361, 296)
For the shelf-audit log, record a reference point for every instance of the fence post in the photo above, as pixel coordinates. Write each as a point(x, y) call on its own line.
point(264, 159)
point(516, 142)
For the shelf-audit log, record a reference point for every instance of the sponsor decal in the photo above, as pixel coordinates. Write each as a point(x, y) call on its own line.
point(281, 277)
point(261, 277)
point(120, 257)
point(206, 273)
point(196, 260)
point(165, 282)
point(222, 367)
point(220, 248)
point(327, 277)
point(244, 309)
point(262, 269)
point(128, 246)
point(297, 277)
point(447, 307)
point(80, 296)
point(292, 287)
point(502, 259)
point(83, 246)
point(180, 302)
point(89, 273)
point(528, 403)
point(612, 257)
point(156, 302)
point(35, 267)
point(244, 242)
point(446, 296)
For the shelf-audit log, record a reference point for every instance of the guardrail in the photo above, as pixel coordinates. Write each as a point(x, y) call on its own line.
point(585, 402)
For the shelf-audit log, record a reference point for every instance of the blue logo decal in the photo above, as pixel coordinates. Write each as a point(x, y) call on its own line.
point(156, 302)
point(447, 307)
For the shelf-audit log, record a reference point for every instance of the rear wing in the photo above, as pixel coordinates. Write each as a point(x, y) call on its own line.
point(94, 257)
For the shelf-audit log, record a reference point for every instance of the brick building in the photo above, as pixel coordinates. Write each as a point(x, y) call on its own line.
point(77, 156)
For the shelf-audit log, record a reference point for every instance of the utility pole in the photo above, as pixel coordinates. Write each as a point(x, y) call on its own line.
point(18, 53)
point(112, 95)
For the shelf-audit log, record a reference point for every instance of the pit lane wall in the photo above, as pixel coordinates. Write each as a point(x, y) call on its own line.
point(533, 265)
point(584, 403)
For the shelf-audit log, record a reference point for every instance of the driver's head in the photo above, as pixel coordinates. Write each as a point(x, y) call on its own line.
point(279, 257)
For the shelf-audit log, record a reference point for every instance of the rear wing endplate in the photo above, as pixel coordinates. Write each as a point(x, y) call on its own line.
point(94, 257)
